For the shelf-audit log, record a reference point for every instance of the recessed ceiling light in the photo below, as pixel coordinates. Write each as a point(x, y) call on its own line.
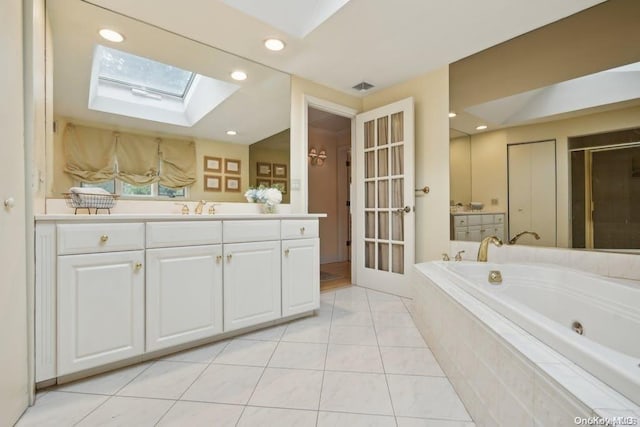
point(452, 114)
point(239, 75)
point(481, 127)
point(274, 44)
point(232, 132)
point(111, 35)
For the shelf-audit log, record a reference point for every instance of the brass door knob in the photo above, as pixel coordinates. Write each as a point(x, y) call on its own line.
point(104, 238)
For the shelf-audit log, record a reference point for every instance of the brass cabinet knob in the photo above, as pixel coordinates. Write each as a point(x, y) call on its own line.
point(229, 257)
point(138, 265)
point(301, 230)
point(218, 258)
point(104, 238)
point(286, 252)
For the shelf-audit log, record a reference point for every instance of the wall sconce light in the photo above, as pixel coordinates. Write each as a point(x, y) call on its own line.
point(317, 158)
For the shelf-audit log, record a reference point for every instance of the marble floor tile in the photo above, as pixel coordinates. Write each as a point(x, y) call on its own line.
point(305, 332)
point(273, 333)
point(263, 417)
point(400, 337)
point(197, 414)
point(425, 397)
point(127, 411)
point(356, 335)
point(224, 384)
point(410, 361)
point(351, 318)
point(333, 419)
point(247, 352)
point(203, 354)
point(355, 393)
point(393, 306)
point(354, 358)
point(384, 319)
point(107, 383)
point(296, 355)
point(288, 388)
point(60, 409)
point(423, 422)
point(163, 380)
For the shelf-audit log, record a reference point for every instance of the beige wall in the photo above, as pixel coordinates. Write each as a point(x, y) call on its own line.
point(271, 150)
point(489, 157)
point(299, 88)
point(61, 181)
point(460, 168)
point(431, 96)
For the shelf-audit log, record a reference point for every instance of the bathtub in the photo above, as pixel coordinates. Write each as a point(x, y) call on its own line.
point(552, 303)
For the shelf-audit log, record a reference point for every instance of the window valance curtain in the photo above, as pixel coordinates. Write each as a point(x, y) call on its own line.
point(177, 163)
point(137, 158)
point(89, 153)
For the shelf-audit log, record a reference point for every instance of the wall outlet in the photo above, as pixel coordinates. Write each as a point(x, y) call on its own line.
point(494, 202)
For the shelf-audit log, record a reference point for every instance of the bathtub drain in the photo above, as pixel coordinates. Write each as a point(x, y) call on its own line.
point(577, 327)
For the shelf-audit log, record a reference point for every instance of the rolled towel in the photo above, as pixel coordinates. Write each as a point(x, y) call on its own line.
point(88, 190)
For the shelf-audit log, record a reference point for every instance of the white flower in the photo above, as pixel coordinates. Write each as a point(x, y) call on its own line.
point(272, 196)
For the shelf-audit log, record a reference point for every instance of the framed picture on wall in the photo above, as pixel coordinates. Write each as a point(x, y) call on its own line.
point(280, 184)
point(263, 182)
point(212, 164)
point(232, 166)
point(279, 170)
point(232, 184)
point(212, 183)
point(263, 169)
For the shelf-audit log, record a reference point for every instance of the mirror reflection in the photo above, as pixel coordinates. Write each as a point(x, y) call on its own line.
point(551, 147)
point(151, 115)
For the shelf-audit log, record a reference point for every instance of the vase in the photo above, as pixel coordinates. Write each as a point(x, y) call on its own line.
point(268, 208)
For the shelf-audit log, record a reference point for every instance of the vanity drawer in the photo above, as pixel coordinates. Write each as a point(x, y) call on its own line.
point(475, 219)
point(487, 219)
point(460, 221)
point(299, 229)
point(498, 219)
point(250, 230)
point(183, 233)
point(90, 238)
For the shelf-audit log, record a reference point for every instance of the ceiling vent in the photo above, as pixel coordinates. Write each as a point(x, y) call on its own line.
point(363, 86)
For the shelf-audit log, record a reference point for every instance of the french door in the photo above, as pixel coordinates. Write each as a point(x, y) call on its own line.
point(384, 210)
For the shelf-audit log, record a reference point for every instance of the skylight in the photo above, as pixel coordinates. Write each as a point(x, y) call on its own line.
point(142, 73)
point(130, 85)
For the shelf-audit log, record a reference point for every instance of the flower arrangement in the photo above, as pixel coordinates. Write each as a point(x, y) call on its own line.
point(270, 197)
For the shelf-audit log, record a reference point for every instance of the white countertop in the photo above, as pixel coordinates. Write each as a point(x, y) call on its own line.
point(174, 217)
point(477, 213)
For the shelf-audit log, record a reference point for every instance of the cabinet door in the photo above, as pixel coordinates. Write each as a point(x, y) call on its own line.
point(184, 295)
point(252, 288)
point(300, 276)
point(100, 309)
point(475, 235)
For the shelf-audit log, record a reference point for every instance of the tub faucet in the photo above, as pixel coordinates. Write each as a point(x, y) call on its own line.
point(517, 236)
point(198, 210)
point(483, 250)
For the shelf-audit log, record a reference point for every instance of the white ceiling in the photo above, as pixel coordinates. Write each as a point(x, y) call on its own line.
point(383, 42)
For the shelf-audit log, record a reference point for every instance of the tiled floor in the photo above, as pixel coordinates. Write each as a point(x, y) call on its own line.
point(359, 362)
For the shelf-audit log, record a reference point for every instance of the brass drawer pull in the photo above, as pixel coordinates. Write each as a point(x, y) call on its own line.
point(301, 230)
point(104, 238)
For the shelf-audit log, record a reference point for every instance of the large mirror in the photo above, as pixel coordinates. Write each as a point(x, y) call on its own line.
point(559, 156)
point(157, 85)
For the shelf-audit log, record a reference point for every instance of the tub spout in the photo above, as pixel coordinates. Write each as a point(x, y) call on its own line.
point(483, 250)
point(519, 235)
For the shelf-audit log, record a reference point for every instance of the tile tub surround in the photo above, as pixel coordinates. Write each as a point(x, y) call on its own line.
point(502, 374)
point(615, 265)
point(360, 361)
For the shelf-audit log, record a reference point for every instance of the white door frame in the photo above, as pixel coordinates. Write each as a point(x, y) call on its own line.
point(339, 110)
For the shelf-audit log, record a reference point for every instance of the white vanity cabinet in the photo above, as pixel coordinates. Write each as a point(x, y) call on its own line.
point(121, 289)
point(474, 227)
point(300, 266)
point(100, 296)
point(183, 282)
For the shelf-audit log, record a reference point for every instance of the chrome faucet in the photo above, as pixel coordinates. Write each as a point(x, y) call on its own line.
point(517, 236)
point(199, 207)
point(483, 250)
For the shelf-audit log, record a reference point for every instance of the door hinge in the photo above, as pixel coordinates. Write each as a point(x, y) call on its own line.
point(348, 203)
point(347, 163)
point(348, 242)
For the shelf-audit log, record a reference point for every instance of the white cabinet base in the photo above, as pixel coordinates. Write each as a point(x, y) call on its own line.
point(300, 275)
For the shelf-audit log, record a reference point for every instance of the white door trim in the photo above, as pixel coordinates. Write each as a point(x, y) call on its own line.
point(340, 110)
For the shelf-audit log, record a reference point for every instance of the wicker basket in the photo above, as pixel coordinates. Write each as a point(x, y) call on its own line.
point(90, 201)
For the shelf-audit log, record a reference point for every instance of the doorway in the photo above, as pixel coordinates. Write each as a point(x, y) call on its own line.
point(329, 180)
